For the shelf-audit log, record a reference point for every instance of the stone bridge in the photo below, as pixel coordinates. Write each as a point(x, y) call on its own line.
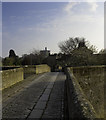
point(57, 95)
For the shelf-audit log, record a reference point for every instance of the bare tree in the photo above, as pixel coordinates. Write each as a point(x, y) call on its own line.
point(69, 45)
point(33, 58)
point(35, 51)
point(73, 43)
point(102, 51)
point(91, 47)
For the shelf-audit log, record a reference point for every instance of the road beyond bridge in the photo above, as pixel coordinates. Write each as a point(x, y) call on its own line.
point(39, 97)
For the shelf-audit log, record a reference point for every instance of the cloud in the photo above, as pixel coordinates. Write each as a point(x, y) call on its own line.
point(84, 12)
point(93, 6)
point(69, 6)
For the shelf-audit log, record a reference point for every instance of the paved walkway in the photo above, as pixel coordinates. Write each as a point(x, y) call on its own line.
point(42, 98)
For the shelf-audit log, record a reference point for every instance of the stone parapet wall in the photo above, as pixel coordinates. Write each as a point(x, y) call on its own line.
point(42, 68)
point(29, 70)
point(91, 80)
point(11, 77)
point(35, 69)
point(84, 92)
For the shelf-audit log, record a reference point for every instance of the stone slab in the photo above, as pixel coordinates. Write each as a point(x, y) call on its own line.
point(44, 98)
point(50, 86)
point(47, 91)
point(54, 109)
point(51, 83)
point(40, 105)
point(36, 114)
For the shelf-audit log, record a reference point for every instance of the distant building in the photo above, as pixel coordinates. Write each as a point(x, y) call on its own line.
point(45, 53)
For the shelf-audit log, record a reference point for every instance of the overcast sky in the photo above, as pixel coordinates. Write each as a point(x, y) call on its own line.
point(35, 25)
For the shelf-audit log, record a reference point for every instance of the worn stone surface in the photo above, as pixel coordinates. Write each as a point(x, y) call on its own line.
point(23, 102)
point(50, 86)
point(9, 93)
point(40, 105)
point(36, 114)
point(47, 91)
point(44, 98)
point(54, 108)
